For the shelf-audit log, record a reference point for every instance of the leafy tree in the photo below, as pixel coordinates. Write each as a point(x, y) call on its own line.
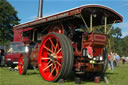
point(118, 44)
point(124, 50)
point(117, 32)
point(8, 18)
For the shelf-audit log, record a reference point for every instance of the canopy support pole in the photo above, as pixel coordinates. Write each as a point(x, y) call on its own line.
point(84, 22)
point(105, 25)
point(33, 37)
point(110, 28)
point(91, 23)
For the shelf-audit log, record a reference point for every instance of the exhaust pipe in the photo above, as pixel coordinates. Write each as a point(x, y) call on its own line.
point(40, 9)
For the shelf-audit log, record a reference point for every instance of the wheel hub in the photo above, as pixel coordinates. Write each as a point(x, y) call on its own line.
point(53, 57)
point(20, 63)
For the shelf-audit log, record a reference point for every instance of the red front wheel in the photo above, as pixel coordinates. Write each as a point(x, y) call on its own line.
point(23, 64)
point(55, 57)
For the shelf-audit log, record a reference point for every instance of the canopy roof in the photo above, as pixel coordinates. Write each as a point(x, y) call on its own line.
point(98, 11)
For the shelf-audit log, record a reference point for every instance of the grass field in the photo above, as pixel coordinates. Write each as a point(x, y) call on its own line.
point(118, 77)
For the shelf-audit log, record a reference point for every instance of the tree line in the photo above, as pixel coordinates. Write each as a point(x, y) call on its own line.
point(118, 44)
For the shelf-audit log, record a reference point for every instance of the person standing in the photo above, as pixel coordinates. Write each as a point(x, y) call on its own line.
point(112, 58)
point(123, 60)
point(109, 63)
point(117, 59)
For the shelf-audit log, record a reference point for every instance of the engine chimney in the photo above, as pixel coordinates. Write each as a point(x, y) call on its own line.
point(40, 9)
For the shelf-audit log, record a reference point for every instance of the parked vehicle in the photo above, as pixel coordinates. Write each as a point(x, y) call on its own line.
point(14, 52)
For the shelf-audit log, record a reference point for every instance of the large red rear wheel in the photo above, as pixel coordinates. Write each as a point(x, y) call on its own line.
point(23, 64)
point(55, 57)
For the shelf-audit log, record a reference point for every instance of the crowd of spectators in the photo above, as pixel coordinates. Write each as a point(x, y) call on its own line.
point(114, 60)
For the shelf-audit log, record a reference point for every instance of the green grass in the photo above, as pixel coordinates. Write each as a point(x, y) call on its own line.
point(118, 77)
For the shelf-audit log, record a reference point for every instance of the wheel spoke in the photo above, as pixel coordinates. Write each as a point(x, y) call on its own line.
point(52, 42)
point(51, 72)
point(22, 67)
point(58, 63)
point(52, 67)
point(45, 58)
point(47, 67)
point(49, 54)
point(58, 50)
point(48, 49)
point(56, 69)
point(48, 63)
point(56, 46)
point(59, 57)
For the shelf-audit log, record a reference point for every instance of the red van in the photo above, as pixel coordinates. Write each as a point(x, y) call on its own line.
point(14, 52)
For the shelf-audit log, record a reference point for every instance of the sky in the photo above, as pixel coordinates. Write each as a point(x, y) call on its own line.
point(28, 9)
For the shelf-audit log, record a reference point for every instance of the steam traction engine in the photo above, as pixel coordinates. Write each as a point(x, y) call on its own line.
point(67, 42)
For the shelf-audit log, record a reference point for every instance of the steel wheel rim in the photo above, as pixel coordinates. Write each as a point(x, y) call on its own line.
point(50, 58)
point(21, 65)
